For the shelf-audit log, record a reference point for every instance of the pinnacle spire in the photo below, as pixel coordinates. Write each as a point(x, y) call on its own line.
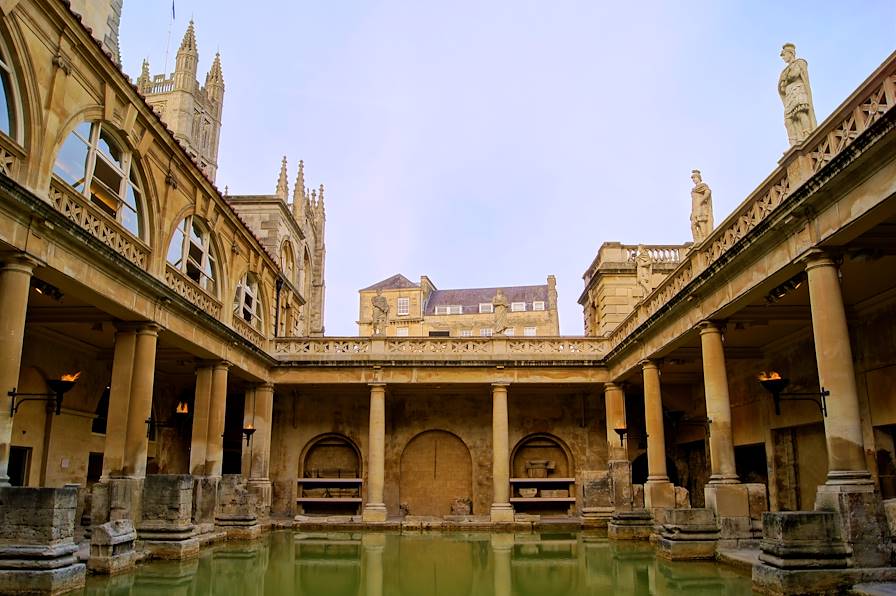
point(298, 192)
point(144, 78)
point(320, 195)
point(282, 182)
point(188, 44)
point(215, 74)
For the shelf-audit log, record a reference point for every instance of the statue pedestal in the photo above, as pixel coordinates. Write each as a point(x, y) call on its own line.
point(688, 534)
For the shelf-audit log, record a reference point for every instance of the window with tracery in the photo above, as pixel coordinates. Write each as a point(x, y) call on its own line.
point(288, 262)
point(191, 252)
point(8, 122)
point(247, 302)
point(96, 165)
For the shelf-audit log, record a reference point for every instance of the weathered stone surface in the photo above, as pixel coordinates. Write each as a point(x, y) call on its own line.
point(682, 498)
point(236, 513)
point(861, 518)
point(803, 540)
point(37, 550)
point(167, 530)
point(688, 534)
point(630, 525)
point(112, 547)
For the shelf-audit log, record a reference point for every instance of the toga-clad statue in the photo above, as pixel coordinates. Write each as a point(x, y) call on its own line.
point(380, 312)
point(500, 306)
point(793, 87)
point(701, 208)
point(644, 270)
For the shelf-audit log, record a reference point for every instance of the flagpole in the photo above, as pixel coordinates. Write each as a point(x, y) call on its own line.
point(168, 41)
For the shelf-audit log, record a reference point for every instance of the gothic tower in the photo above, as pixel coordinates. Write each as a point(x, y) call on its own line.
point(192, 111)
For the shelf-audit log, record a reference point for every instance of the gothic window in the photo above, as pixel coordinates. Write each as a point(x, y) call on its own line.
point(98, 167)
point(288, 262)
point(191, 252)
point(8, 103)
point(247, 302)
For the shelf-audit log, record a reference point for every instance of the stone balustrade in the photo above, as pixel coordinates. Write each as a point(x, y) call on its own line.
point(863, 108)
point(464, 349)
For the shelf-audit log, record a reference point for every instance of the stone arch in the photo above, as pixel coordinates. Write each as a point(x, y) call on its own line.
point(330, 452)
point(436, 468)
point(542, 447)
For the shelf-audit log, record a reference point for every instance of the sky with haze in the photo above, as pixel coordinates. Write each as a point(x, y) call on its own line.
point(494, 142)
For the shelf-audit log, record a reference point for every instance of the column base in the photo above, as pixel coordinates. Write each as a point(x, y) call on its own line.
point(861, 518)
point(731, 505)
point(659, 494)
point(688, 534)
point(724, 479)
point(621, 491)
point(501, 513)
point(374, 513)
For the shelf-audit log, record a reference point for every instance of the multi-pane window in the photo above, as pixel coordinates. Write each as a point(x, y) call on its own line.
point(510, 331)
point(486, 332)
point(191, 252)
point(530, 331)
point(401, 331)
point(451, 309)
point(404, 307)
point(466, 333)
point(486, 307)
point(97, 166)
point(517, 306)
point(538, 305)
point(247, 302)
point(8, 124)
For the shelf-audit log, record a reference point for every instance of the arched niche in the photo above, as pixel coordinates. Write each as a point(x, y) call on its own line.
point(331, 455)
point(436, 470)
point(542, 447)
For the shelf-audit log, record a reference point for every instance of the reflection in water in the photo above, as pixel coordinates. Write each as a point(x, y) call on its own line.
point(376, 564)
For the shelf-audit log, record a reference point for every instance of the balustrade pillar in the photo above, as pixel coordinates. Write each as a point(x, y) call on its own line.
point(658, 491)
point(140, 408)
point(614, 402)
point(201, 403)
point(257, 414)
point(842, 425)
point(501, 510)
point(718, 406)
point(214, 445)
point(375, 508)
point(15, 283)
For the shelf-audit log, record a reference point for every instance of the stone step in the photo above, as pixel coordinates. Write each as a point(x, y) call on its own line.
point(874, 589)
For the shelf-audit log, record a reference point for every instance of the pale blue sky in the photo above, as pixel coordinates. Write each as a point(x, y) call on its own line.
point(488, 143)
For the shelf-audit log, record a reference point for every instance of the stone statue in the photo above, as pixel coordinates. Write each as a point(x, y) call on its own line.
point(644, 270)
point(500, 306)
point(701, 208)
point(380, 312)
point(793, 87)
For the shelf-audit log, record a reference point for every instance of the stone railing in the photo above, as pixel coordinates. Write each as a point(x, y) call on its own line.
point(247, 331)
point(465, 349)
point(187, 288)
point(866, 105)
point(99, 225)
point(658, 253)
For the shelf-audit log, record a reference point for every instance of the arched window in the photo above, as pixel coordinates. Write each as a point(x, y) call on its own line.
point(191, 252)
point(98, 167)
point(288, 262)
point(247, 302)
point(10, 124)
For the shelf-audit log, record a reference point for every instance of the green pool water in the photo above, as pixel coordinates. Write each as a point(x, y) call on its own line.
point(371, 564)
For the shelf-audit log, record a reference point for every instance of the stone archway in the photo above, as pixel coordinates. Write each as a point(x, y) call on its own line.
point(436, 469)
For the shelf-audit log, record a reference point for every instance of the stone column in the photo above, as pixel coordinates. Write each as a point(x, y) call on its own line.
point(373, 545)
point(375, 509)
point(119, 401)
point(501, 511)
point(619, 468)
point(658, 492)
point(849, 490)
point(15, 282)
point(257, 459)
point(214, 443)
point(201, 402)
point(842, 425)
point(718, 405)
point(140, 408)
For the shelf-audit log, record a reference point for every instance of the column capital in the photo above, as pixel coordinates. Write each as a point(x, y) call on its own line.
point(816, 257)
point(708, 326)
point(376, 385)
point(649, 364)
point(219, 364)
point(500, 385)
point(19, 261)
point(613, 386)
point(144, 327)
point(264, 385)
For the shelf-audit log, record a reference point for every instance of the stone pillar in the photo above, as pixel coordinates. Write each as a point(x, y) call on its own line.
point(140, 409)
point(257, 462)
point(618, 466)
point(119, 401)
point(658, 492)
point(15, 282)
point(501, 510)
point(842, 425)
point(375, 508)
point(201, 402)
point(718, 406)
point(849, 490)
point(214, 443)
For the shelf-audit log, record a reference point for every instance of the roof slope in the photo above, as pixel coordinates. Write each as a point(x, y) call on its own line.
point(396, 282)
point(471, 298)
